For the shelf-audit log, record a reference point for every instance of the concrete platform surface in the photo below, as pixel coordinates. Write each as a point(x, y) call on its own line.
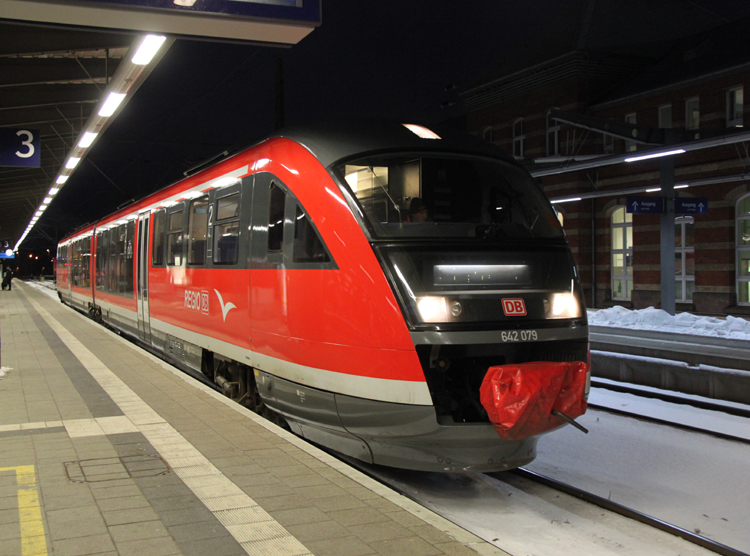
point(105, 449)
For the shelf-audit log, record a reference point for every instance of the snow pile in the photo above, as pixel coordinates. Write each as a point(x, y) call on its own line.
point(3, 371)
point(684, 323)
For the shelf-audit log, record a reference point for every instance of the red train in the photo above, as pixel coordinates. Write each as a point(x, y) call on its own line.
point(356, 282)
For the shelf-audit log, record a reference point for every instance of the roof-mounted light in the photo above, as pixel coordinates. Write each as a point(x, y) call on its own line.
point(87, 139)
point(111, 104)
point(61, 179)
point(654, 155)
point(72, 162)
point(421, 131)
point(148, 49)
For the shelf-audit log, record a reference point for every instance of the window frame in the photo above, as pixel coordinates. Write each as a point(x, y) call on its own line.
point(688, 103)
point(179, 207)
point(631, 118)
point(214, 222)
point(739, 250)
point(626, 251)
point(191, 221)
point(553, 129)
point(159, 219)
point(662, 123)
point(735, 119)
point(681, 293)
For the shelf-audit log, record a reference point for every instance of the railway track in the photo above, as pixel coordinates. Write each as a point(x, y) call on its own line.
point(630, 513)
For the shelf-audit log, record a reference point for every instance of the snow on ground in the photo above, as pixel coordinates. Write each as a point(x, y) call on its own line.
point(683, 323)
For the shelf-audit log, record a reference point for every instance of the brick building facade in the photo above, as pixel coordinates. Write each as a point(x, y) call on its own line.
point(688, 93)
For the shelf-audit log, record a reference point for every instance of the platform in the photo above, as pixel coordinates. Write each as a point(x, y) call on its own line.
point(105, 449)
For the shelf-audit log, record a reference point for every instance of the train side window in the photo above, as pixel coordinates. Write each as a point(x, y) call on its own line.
point(112, 261)
point(86, 263)
point(308, 248)
point(102, 241)
point(126, 282)
point(276, 218)
point(174, 239)
point(227, 230)
point(157, 254)
point(197, 226)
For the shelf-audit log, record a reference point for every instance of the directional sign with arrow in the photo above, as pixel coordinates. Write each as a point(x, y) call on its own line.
point(645, 205)
point(691, 205)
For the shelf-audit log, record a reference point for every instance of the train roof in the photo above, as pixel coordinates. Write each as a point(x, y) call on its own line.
point(334, 141)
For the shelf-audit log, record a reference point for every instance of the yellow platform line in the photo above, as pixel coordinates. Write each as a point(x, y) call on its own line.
point(33, 541)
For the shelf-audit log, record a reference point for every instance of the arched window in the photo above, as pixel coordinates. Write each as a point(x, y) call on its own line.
point(622, 254)
point(684, 258)
point(743, 251)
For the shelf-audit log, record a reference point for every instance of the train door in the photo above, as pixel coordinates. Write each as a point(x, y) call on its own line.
point(144, 320)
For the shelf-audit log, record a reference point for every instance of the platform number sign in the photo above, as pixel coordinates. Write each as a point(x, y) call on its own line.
point(20, 147)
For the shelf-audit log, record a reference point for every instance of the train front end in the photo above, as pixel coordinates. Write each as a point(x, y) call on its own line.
point(488, 288)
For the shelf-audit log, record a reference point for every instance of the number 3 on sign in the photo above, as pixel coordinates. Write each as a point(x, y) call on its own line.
point(28, 143)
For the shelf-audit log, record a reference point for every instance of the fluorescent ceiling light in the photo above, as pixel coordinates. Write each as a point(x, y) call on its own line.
point(53, 191)
point(683, 186)
point(566, 200)
point(87, 139)
point(654, 155)
point(111, 104)
point(422, 132)
point(47, 200)
point(72, 162)
point(61, 179)
point(654, 189)
point(149, 47)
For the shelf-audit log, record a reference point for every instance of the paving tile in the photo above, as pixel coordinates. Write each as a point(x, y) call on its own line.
point(360, 516)
point(123, 503)
point(342, 546)
point(188, 532)
point(133, 515)
point(296, 516)
point(222, 546)
point(307, 532)
point(136, 531)
point(161, 546)
point(413, 546)
point(79, 546)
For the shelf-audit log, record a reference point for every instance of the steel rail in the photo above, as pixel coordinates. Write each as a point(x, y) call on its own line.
point(619, 509)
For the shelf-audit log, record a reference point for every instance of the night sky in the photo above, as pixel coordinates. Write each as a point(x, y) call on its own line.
point(395, 59)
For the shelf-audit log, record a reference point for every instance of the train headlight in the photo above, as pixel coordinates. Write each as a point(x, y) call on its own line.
point(564, 306)
point(433, 309)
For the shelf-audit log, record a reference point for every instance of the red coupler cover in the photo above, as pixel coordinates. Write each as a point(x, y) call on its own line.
point(519, 399)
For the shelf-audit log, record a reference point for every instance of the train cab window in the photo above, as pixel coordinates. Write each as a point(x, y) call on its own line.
point(227, 230)
point(308, 248)
point(197, 227)
point(157, 258)
point(276, 218)
point(174, 239)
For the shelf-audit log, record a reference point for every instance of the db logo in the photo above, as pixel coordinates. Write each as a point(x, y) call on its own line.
point(514, 307)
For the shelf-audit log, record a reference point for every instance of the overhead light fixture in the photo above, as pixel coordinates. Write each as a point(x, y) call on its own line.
point(61, 179)
point(148, 49)
point(654, 155)
point(654, 189)
point(47, 200)
point(421, 131)
point(566, 200)
point(87, 139)
point(111, 104)
point(53, 191)
point(683, 186)
point(72, 162)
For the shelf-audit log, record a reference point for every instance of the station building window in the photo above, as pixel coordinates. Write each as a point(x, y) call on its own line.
point(684, 253)
point(630, 145)
point(488, 134)
point(692, 113)
point(735, 107)
point(518, 138)
point(743, 251)
point(622, 254)
point(665, 116)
